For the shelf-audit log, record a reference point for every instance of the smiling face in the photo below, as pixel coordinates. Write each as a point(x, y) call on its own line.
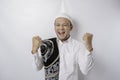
point(62, 28)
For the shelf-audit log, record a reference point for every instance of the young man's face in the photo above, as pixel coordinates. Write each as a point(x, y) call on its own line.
point(62, 28)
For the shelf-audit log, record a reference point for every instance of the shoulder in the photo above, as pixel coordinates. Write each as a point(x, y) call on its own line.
point(54, 38)
point(79, 47)
point(77, 44)
point(51, 39)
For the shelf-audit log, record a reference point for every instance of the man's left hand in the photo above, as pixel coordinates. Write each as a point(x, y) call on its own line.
point(88, 41)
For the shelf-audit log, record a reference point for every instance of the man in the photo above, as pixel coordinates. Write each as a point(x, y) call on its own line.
point(62, 56)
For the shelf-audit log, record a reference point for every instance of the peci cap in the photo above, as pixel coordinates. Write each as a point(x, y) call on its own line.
point(64, 15)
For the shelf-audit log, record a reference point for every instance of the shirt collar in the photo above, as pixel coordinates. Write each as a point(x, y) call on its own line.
point(62, 42)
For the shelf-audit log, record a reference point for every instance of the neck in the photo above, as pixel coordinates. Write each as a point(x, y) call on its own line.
point(65, 38)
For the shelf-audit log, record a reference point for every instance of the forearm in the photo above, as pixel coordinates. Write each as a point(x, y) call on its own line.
point(37, 61)
point(88, 63)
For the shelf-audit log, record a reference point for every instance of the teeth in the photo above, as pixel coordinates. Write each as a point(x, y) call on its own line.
point(61, 32)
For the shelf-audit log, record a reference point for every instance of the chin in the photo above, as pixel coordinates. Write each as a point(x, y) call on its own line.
point(61, 38)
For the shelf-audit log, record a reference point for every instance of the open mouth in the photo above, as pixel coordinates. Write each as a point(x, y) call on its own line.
point(61, 33)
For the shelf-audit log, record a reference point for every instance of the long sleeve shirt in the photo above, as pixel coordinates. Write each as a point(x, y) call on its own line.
point(73, 55)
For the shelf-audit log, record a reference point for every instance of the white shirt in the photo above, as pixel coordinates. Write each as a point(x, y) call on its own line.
point(73, 55)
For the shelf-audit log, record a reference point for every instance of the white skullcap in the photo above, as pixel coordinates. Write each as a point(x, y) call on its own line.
point(64, 15)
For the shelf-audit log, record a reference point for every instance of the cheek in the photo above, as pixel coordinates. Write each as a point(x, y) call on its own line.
point(68, 29)
point(55, 29)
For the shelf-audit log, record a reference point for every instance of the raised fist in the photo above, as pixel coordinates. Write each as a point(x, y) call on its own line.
point(36, 43)
point(87, 37)
point(88, 41)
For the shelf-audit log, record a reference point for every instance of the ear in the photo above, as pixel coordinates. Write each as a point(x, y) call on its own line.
point(71, 27)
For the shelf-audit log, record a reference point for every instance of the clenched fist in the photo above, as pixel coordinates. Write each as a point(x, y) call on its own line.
point(36, 43)
point(88, 41)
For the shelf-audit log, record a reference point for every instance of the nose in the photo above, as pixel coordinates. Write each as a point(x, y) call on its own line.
point(61, 27)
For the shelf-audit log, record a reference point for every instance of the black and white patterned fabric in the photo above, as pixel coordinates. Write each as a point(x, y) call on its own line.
point(50, 55)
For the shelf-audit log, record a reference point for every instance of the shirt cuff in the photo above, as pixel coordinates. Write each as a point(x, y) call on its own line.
point(88, 53)
point(35, 54)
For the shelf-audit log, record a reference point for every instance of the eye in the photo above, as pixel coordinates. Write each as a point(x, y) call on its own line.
point(57, 24)
point(65, 25)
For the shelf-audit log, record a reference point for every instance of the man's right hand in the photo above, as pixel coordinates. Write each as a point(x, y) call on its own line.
point(36, 43)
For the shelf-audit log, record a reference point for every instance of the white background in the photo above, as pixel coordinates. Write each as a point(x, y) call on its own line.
point(22, 19)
